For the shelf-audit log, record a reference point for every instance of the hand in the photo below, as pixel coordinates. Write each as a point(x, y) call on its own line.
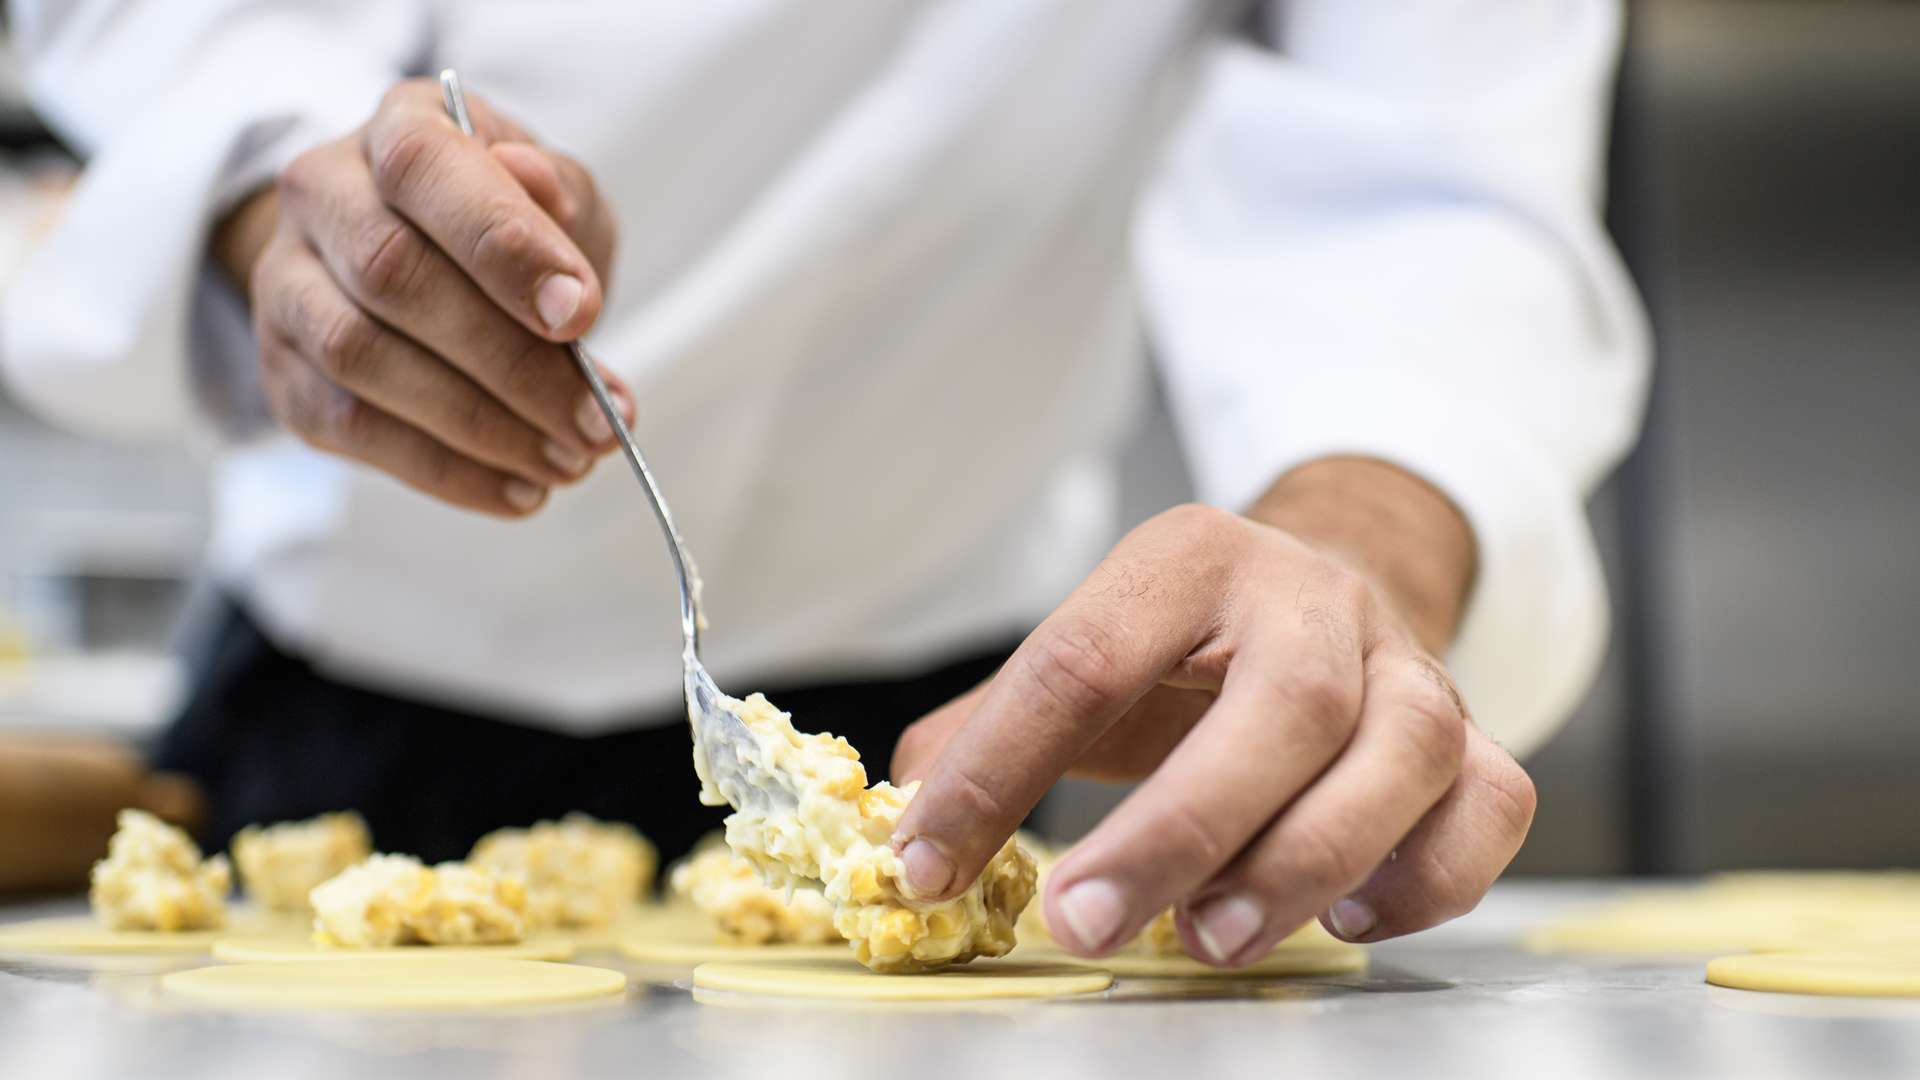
point(1272, 677)
point(411, 288)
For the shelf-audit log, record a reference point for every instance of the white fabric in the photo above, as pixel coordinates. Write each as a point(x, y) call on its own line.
point(880, 292)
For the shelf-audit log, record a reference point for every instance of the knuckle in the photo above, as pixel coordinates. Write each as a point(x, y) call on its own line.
point(1077, 664)
point(402, 156)
point(475, 423)
point(1194, 836)
point(506, 239)
point(1515, 800)
point(440, 469)
point(344, 348)
point(1319, 863)
point(528, 369)
point(300, 178)
point(388, 260)
point(975, 799)
point(1321, 700)
point(1436, 735)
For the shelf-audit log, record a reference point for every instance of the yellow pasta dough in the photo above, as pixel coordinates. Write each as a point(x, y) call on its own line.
point(394, 982)
point(1885, 973)
point(294, 950)
point(847, 979)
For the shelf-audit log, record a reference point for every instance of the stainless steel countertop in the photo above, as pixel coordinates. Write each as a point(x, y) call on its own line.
point(1461, 1001)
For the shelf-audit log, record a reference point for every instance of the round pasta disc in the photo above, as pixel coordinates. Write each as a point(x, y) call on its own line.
point(409, 982)
point(1292, 961)
point(1894, 973)
point(79, 934)
point(845, 978)
point(670, 951)
point(294, 950)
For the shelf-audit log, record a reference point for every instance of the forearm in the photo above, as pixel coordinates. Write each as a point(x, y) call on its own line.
point(1395, 528)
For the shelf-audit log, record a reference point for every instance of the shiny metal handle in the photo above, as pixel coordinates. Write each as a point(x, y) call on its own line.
point(683, 565)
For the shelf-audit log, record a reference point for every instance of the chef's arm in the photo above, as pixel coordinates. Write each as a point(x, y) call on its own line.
point(1393, 332)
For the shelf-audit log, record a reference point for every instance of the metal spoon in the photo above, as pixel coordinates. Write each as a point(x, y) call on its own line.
point(734, 760)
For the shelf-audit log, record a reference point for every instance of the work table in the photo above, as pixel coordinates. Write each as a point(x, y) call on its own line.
point(1465, 1000)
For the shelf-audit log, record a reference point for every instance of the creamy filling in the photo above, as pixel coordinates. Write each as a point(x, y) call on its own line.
point(392, 900)
point(280, 864)
point(839, 835)
point(578, 872)
point(728, 889)
point(153, 878)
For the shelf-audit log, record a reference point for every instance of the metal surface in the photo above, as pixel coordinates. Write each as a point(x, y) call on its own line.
point(721, 734)
point(1461, 1001)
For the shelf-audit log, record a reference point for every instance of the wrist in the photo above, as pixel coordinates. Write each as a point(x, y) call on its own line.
point(1389, 525)
point(240, 237)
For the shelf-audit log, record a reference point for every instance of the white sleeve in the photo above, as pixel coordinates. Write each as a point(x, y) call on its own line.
point(1385, 239)
point(117, 325)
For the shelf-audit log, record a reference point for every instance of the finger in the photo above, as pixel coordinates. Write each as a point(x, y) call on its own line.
point(466, 201)
point(331, 419)
point(566, 191)
point(1443, 868)
point(1147, 607)
point(396, 273)
point(359, 355)
point(1290, 703)
point(1405, 753)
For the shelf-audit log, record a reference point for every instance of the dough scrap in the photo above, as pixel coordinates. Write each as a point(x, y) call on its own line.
point(153, 878)
point(846, 979)
point(423, 982)
point(1885, 973)
point(840, 835)
point(395, 900)
point(745, 909)
point(281, 863)
point(579, 872)
point(279, 950)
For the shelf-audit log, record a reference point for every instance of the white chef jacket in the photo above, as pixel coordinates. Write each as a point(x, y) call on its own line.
point(889, 272)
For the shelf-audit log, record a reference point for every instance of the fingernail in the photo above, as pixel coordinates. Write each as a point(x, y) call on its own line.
point(591, 421)
point(1352, 919)
point(565, 458)
point(524, 496)
point(1094, 911)
point(1226, 924)
point(929, 872)
point(557, 300)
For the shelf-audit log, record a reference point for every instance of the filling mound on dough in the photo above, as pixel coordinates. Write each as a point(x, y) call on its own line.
point(578, 872)
point(393, 900)
point(839, 835)
point(280, 864)
point(153, 878)
point(728, 889)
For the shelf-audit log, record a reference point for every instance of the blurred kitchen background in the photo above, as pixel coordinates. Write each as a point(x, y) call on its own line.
point(1761, 703)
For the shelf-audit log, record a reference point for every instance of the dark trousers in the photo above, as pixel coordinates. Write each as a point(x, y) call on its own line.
point(270, 739)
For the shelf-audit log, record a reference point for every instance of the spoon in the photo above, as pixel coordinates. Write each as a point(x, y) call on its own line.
point(726, 754)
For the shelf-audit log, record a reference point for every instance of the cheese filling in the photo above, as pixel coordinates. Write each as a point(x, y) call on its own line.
point(578, 872)
point(280, 864)
point(391, 900)
point(728, 889)
point(839, 835)
point(153, 878)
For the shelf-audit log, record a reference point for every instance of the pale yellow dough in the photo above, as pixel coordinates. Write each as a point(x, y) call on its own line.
point(272, 950)
point(689, 953)
point(280, 864)
point(423, 982)
point(1885, 973)
point(840, 836)
point(1772, 911)
point(153, 878)
point(847, 979)
point(82, 936)
point(579, 872)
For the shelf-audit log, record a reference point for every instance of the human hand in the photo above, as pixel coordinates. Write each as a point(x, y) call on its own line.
point(412, 290)
point(1274, 682)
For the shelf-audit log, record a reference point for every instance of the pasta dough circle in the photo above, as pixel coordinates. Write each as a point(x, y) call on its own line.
point(661, 951)
point(294, 950)
point(427, 982)
point(84, 935)
point(1294, 961)
point(845, 978)
point(1842, 974)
